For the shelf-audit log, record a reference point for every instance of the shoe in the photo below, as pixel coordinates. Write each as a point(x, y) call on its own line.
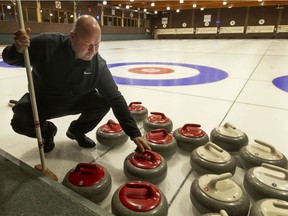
point(82, 139)
point(48, 140)
point(12, 103)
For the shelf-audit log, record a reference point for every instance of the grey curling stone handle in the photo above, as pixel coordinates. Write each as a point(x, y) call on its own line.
point(277, 169)
point(272, 148)
point(280, 204)
point(212, 183)
point(223, 213)
point(229, 125)
point(210, 145)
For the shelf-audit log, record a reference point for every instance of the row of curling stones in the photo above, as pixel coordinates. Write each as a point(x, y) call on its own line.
point(148, 166)
point(187, 137)
point(111, 134)
point(139, 198)
point(92, 181)
point(212, 193)
point(266, 181)
point(236, 142)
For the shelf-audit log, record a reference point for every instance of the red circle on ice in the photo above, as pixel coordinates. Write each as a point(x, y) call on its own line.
point(151, 70)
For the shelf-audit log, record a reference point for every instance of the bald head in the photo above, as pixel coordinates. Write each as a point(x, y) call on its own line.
point(85, 37)
point(86, 24)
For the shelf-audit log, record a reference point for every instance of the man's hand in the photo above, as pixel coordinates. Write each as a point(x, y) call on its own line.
point(22, 39)
point(141, 144)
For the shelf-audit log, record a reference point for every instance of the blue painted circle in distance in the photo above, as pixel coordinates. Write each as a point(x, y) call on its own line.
point(281, 83)
point(3, 64)
point(206, 75)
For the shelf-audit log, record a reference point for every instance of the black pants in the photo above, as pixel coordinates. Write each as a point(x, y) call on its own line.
point(92, 108)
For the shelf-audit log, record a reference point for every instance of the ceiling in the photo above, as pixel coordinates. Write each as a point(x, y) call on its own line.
point(188, 4)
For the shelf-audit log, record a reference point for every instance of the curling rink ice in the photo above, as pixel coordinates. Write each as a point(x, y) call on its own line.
point(208, 82)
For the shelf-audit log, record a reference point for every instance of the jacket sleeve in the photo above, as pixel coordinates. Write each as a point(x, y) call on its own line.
point(12, 57)
point(109, 91)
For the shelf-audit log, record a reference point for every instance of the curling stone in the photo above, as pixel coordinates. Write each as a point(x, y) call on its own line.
point(229, 138)
point(138, 112)
point(221, 213)
point(139, 198)
point(190, 136)
point(267, 181)
point(212, 193)
point(111, 134)
point(89, 180)
point(148, 166)
point(261, 152)
point(269, 207)
point(161, 142)
point(211, 159)
point(156, 121)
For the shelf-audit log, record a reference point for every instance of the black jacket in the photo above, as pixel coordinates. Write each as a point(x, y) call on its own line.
point(59, 77)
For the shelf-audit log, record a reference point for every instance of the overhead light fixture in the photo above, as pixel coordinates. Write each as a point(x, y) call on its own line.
point(155, 12)
point(181, 1)
point(131, 0)
point(145, 10)
point(127, 7)
point(177, 10)
point(104, 2)
point(224, 3)
point(259, 0)
point(152, 4)
point(168, 8)
point(194, 5)
point(202, 8)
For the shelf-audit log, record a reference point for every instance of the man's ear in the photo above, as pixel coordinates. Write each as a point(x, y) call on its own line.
point(72, 35)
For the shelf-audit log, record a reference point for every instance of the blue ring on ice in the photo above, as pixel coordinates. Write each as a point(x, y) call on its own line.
point(206, 75)
point(281, 83)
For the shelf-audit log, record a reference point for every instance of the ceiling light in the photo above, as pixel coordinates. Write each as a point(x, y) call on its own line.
point(177, 10)
point(104, 2)
point(152, 4)
point(194, 5)
point(202, 8)
point(131, 0)
point(224, 3)
point(155, 12)
point(127, 7)
point(145, 10)
point(259, 0)
point(168, 8)
point(181, 1)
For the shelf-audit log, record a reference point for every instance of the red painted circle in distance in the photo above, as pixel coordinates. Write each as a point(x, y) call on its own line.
point(151, 70)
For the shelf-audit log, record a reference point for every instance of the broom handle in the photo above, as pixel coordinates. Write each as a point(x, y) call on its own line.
point(32, 91)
